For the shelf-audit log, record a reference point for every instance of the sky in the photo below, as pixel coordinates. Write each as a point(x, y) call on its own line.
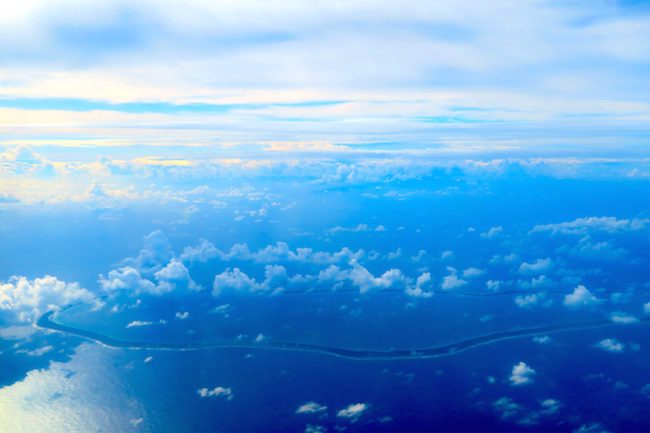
point(526, 78)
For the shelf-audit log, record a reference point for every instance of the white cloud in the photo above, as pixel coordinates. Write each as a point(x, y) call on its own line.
point(141, 323)
point(218, 391)
point(582, 226)
point(156, 251)
point(203, 252)
point(581, 297)
point(182, 315)
point(539, 266)
point(522, 374)
point(40, 351)
point(507, 407)
point(420, 283)
point(452, 281)
point(174, 276)
point(311, 407)
point(493, 232)
point(235, 279)
point(646, 308)
point(353, 411)
point(473, 272)
point(610, 345)
point(591, 428)
point(623, 318)
point(126, 278)
point(357, 229)
point(533, 299)
point(282, 252)
point(24, 300)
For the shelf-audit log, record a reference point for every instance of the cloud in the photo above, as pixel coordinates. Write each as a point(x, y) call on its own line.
point(539, 266)
point(507, 407)
point(280, 252)
point(646, 308)
point(203, 252)
point(420, 283)
point(360, 277)
point(473, 272)
point(452, 281)
point(511, 410)
point(610, 345)
point(172, 277)
point(581, 297)
point(40, 351)
point(353, 412)
point(23, 300)
point(236, 280)
point(623, 318)
point(591, 428)
point(522, 374)
point(126, 278)
point(311, 407)
point(141, 323)
point(218, 391)
point(533, 299)
point(365, 281)
point(492, 232)
point(582, 226)
point(357, 229)
point(156, 251)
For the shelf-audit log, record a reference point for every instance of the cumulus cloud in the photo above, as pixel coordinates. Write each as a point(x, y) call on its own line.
point(24, 300)
point(218, 391)
point(646, 308)
point(353, 411)
point(581, 297)
point(537, 267)
point(172, 277)
point(360, 277)
point(236, 280)
point(280, 252)
point(591, 428)
point(311, 407)
point(522, 374)
point(126, 278)
point(582, 226)
point(507, 407)
point(358, 228)
point(452, 281)
point(511, 410)
point(533, 299)
point(141, 323)
point(492, 233)
point(203, 252)
point(610, 345)
point(421, 282)
point(472, 272)
point(156, 252)
point(623, 318)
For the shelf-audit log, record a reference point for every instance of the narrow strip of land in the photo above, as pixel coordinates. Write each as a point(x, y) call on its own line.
point(47, 322)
